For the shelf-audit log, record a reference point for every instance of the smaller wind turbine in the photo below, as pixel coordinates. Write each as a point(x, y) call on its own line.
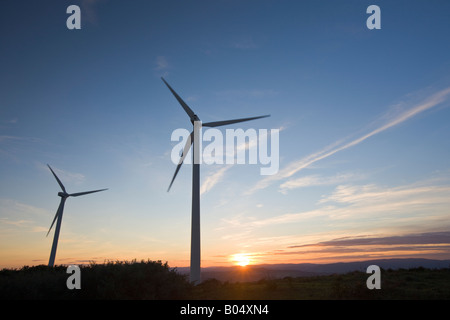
point(64, 195)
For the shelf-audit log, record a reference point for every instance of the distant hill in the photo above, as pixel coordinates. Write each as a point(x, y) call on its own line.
point(277, 271)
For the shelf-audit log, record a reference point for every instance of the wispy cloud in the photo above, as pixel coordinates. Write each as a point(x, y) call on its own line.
point(162, 66)
point(12, 146)
point(390, 120)
point(161, 63)
point(8, 122)
point(420, 204)
point(424, 245)
point(410, 195)
point(18, 215)
point(6, 138)
point(64, 175)
point(243, 147)
point(16, 223)
point(411, 239)
point(213, 179)
point(317, 180)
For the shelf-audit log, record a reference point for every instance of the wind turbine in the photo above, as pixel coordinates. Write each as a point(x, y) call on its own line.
point(59, 213)
point(194, 141)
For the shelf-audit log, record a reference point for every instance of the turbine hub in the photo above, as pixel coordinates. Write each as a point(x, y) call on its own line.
point(63, 194)
point(195, 118)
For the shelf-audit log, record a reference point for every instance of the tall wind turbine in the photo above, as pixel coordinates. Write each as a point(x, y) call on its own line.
point(59, 213)
point(194, 141)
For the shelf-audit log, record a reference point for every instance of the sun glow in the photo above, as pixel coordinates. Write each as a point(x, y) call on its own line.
point(241, 259)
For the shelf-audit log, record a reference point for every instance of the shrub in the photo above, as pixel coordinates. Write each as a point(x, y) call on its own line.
point(113, 280)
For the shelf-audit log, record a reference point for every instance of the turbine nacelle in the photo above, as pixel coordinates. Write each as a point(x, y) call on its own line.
point(63, 194)
point(194, 118)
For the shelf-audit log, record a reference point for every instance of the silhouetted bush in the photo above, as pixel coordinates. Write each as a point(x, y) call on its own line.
point(155, 280)
point(113, 280)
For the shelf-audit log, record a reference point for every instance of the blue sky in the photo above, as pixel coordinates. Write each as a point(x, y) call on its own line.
point(363, 119)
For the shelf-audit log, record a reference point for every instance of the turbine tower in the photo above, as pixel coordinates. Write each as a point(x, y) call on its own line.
point(59, 213)
point(194, 141)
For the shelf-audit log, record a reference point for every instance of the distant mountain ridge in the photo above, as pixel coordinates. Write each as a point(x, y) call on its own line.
point(274, 271)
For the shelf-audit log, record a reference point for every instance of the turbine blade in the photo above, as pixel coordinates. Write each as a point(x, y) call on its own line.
point(188, 144)
point(57, 179)
point(83, 193)
point(225, 122)
point(58, 212)
point(186, 108)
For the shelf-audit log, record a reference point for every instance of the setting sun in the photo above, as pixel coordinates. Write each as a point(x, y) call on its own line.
point(241, 259)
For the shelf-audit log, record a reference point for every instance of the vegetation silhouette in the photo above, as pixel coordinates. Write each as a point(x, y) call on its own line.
point(154, 280)
point(119, 280)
